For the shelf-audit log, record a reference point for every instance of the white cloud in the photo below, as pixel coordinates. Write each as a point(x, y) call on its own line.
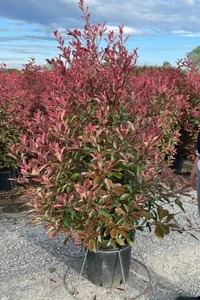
point(190, 2)
point(186, 33)
point(152, 18)
point(127, 30)
point(164, 15)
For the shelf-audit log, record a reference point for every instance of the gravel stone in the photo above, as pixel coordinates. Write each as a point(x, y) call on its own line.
point(33, 267)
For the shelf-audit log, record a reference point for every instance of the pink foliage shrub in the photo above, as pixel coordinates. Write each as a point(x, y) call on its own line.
point(101, 129)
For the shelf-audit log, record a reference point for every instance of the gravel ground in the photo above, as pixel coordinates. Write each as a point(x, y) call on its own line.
point(33, 267)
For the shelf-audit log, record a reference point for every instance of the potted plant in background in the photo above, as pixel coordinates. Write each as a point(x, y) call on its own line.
point(188, 83)
point(10, 95)
point(164, 88)
point(9, 135)
point(100, 151)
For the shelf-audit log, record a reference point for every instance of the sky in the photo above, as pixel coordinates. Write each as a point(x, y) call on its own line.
point(162, 30)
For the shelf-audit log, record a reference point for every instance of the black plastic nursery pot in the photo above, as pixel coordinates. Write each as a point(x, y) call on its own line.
point(178, 163)
point(104, 267)
point(6, 179)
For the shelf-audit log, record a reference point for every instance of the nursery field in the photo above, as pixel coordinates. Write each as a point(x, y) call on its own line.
point(96, 144)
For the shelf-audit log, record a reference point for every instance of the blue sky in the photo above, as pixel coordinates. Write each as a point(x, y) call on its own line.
point(162, 30)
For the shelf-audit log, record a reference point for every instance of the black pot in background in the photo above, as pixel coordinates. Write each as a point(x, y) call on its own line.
point(178, 163)
point(5, 183)
point(104, 268)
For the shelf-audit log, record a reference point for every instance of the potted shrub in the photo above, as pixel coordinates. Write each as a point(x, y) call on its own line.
point(100, 151)
point(178, 88)
point(188, 83)
point(10, 95)
point(8, 165)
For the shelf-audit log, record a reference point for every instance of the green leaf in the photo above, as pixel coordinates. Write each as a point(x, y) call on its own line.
point(162, 213)
point(99, 239)
point(159, 232)
point(116, 204)
point(179, 203)
point(120, 241)
point(124, 196)
point(105, 212)
point(66, 223)
point(132, 173)
point(130, 188)
point(75, 176)
point(130, 241)
point(147, 214)
point(115, 174)
point(64, 187)
point(165, 228)
point(169, 217)
point(92, 214)
point(138, 169)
